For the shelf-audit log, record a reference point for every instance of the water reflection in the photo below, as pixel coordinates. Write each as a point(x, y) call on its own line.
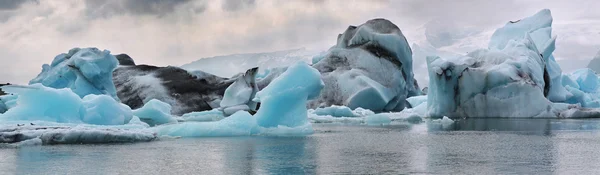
point(467, 146)
point(529, 126)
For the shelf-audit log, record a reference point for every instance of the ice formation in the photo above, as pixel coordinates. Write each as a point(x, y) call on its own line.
point(37, 102)
point(204, 116)
point(584, 86)
point(184, 91)
point(239, 95)
point(369, 67)
point(72, 135)
point(282, 112)
point(284, 101)
point(510, 79)
point(336, 111)
point(85, 71)
point(155, 112)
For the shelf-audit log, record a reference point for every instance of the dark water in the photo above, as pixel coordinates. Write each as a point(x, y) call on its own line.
point(474, 146)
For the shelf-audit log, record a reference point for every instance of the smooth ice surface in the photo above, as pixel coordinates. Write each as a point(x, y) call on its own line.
point(37, 102)
point(417, 100)
point(238, 124)
point(155, 112)
point(284, 101)
point(85, 71)
point(204, 116)
point(336, 111)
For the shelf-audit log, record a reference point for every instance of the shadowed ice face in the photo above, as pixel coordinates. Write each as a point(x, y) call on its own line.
point(370, 67)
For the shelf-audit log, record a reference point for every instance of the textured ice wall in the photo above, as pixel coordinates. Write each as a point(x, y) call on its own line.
point(85, 71)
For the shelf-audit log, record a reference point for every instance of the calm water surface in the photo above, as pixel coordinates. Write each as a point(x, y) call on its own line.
point(474, 146)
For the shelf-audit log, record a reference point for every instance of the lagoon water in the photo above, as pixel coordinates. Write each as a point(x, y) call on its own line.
point(469, 146)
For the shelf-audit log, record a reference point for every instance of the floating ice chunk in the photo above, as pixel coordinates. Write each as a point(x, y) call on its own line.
point(233, 109)
point(72, 135)
point(238, 124)
point(283, 102)
point(417, 100)
point(369, 67)
point(586, 79)
point(155, 112)
point(336, 111)
point(204, 116)
point(104, 110)
point(37, 102)
point(85, 71)
point(378, 119)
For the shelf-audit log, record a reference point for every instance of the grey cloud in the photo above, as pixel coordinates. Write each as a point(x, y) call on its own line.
point(235, 5)
point(108, 8)
point(13, 4)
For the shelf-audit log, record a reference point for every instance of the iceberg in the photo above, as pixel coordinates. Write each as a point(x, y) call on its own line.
point(38, 102)
point(71, 135)
point(282, 111)
point(513, 78)
point(239, 124)
point(336, 111)
point(369, 67)
point(204, 116)
point(84, 71)
point(284, 101)
point(155, 112)
point(185, 91)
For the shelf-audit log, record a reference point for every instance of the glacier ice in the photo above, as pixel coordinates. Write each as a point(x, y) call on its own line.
point(282, 111)
point(37, 102)
point(185, 91)
point(204, 116)
point(586, 79)
point(72, 135)
point(539, 28)
point(510, 79)
point(336, 111)
point(85, 71)
point(283, 101)
point(239, 124)
point(239, 95)
point(369, 67)
point(155, 112)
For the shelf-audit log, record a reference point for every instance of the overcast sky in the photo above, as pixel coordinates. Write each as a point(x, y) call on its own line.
point(175, 32)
